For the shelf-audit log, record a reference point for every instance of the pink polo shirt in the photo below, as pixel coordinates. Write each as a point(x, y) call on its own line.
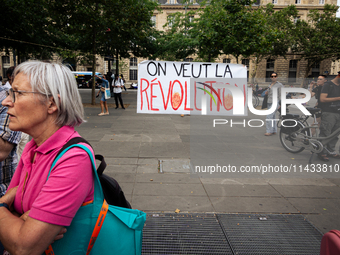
point(57, 200)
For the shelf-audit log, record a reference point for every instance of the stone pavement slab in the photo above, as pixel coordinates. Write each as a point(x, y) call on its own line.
point(252, 205)
point(171, 203)
point(216, 190)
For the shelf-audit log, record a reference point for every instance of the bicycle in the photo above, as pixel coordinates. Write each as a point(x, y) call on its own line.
point(296, 134)
point(255, 98)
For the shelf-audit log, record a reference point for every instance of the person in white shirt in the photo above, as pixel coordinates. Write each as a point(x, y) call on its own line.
point(118, 84)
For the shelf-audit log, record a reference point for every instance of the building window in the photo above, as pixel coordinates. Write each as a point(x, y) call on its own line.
point(258, 2)
point(292, 70)
point(188, 60)
point(133, 62)
point(5, 60)
point(5, 65)
point(133, 69)
point(153, 20)
point(321, 1)
point(274, 1)
point(170, 21)
point(269, 69)
point(113, 65)
point(297, 1)
point(296, 19)
point(226, 60)
point(316, 70)
point(133, 75)
point(172, 2)
point(246, 63)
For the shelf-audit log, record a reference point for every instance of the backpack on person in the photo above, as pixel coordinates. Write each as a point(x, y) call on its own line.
point(113, 193)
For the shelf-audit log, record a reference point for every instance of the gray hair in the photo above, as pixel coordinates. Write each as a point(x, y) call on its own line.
point(56, 81)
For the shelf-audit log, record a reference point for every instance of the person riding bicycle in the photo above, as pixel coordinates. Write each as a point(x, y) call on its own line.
point(330, 118)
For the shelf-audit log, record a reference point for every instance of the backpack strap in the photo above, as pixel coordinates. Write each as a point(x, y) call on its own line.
point(79, 139)
point(72, 141)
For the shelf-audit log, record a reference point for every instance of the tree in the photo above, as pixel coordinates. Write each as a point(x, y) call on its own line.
point(131, 30)
point(278, 37)
point(176, 42)
point(317, 38)
point(23, 29)
point(246, 30)
point(209, 39)
point(103, 27)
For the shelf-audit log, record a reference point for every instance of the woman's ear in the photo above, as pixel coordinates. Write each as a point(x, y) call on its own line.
point(52, 106)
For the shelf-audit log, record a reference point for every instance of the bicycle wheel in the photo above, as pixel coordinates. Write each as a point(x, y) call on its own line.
point(290, 141)
point(256, 101)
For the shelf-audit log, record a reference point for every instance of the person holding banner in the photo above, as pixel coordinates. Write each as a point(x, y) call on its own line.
point(117, 91)
point(105, 85)
point(271, 126)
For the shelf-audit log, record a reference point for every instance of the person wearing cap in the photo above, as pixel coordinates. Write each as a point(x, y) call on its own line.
point(330, 117)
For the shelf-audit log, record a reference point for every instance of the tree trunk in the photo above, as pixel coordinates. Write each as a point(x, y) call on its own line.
point(93, 100)
point(309, 66)
point(117, 65)
point(18, 55)
point(14, 57)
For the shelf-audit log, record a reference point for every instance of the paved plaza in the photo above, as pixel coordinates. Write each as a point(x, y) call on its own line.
point(149, 156)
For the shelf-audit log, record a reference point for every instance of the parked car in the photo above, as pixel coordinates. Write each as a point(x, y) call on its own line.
point(84, 79)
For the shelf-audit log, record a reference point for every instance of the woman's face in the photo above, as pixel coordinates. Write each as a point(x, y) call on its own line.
point(28, 114)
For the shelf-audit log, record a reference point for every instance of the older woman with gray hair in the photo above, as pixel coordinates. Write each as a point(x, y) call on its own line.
point(44, 102)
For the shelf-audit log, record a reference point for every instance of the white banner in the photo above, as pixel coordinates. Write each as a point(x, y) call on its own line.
point(164, 87)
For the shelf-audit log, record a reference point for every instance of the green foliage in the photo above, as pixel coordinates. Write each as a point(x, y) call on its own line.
point(176, 42)
point(26, 21)
point(277, 35)
point(317, 38)
point(105, 27)
point(228, 27)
